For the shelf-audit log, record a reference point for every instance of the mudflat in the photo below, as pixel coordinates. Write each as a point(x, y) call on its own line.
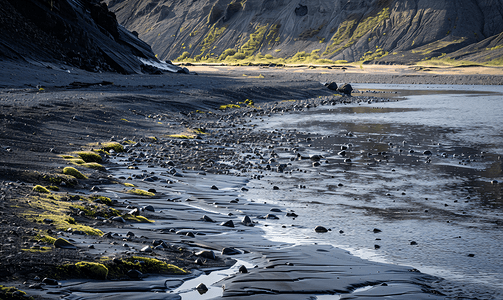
point(179, 132)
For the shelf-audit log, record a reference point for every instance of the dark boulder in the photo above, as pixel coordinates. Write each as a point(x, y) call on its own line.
point(301, 10)
point(345, 89)
point(332, 86)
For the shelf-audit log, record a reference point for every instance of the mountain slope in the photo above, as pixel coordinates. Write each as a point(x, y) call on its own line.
point(384, 31)
point(81, 33)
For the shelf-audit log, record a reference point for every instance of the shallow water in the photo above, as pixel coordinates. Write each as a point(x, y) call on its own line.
point(440, 213)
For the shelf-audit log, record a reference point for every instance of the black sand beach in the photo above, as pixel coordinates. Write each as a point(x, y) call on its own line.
point(47, 113)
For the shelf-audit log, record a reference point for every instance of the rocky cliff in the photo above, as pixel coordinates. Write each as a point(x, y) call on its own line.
point(80, 33)
point(380, 31)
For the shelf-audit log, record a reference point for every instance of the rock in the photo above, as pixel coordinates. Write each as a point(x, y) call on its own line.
point(316, 164)
point(50, 281)
point(190, 234)
point(377, 247)
point(346, 89)
point(291, 214)
point(227, 224)
point(247, 221)
point(134, 274)
point(118, 219)
point(427, 152)
point(275, 210)
point(471, 255)
point(377, 230)
point(63, 244)
point(275, 188)
point(230, 251)
point(161, 243)
point(271, 217)
point(48, 221)
point(201, 288)
point(206, 254)
point(214, 187)
point(413, 243)
point(301, 10)
point(199, 261)
point(152, 191)
point(149, 207)
point(146, 249)
point(207, 219)
point(243, 269)
point(320, 229)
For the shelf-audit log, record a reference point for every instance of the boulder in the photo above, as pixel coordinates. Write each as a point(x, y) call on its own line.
point(345, 89)
point(206, 254)
point(228, 224)
point(332, 86)
point(64, 244)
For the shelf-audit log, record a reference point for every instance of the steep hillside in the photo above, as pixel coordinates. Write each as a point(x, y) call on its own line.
point(382, 31)
point(80, 33)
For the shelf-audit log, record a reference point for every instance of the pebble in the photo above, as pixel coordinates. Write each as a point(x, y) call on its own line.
point(243, 269)
point(230, 251)
point(207, 219)
point(201, 288)
point(206, 254)
point(228, 224)
point(146, 249)
point(50, 281)
point(63, 244)
point(320, 229)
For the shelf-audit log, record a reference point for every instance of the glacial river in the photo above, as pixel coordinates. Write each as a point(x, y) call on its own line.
point(425, 172)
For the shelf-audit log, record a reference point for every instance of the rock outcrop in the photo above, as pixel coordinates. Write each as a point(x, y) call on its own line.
point(378, 31)
point(80, 33)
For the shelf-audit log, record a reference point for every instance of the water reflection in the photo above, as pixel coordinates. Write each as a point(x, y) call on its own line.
point(425, 170)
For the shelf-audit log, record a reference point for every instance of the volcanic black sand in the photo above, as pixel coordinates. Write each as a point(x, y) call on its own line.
point(48, 112)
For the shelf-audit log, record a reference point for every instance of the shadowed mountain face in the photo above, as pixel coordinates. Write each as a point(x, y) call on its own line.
point(80, 33)
point(381, 31)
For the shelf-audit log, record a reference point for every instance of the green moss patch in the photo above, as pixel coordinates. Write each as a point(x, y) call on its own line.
point(137, 219)
point(94, 166)
point(74, 172)
point(82, 269)
point(41, 189)
point(89, 156)
point(11, 293)
point(140, 192)
point(143, 264)
point(112, 146)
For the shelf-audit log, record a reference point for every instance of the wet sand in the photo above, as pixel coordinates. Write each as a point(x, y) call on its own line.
point(39, 125)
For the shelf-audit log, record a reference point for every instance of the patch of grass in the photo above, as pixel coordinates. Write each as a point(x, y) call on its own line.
point(145, 265)
point(180, 136)
point(74, 172)
point(129, 184)
point(12, 293)
point(369, 55)
point(228, 106)
point(52, 188)
point(41, 189)
point(211, 37)
point(89, 156)
point(140, 192)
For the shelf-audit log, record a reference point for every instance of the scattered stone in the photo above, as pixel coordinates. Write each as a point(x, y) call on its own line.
point(146, 249)
point(214, 187)
point(332, 86)
point(320, 229)
point(227, 224)
point(413, 243)
point(247, 221)
point(201, 288)
point(346, 89)
point(230, 251)
point(206, 254)
point(50, 281)
point(471, 255)
point(275, 210)
point(199, 261)
point(243, 269)
point(207, 219)
point(291, 214)
point(377, 230)
point(149, 207)
point(271, 217)
point(275, 188)
point(427, 152)
point(64, 244)
point(377, 247)
point(190, 234)
point(118, 219)
point(134, 274)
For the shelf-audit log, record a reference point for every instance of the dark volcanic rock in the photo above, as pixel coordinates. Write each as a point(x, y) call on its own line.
point(346, 89)
point(332, 86)
point(83, 34)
